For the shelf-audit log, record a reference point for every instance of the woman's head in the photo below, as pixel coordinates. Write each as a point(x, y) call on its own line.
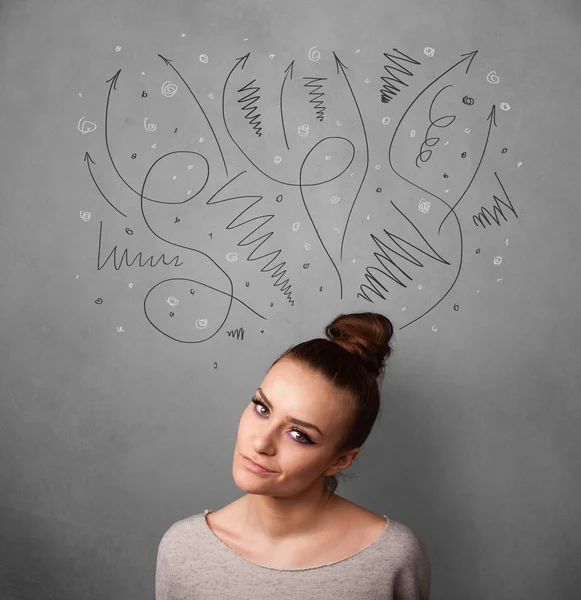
point(329, 383)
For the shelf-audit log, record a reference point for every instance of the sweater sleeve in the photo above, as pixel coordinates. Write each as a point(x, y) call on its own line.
point(163, 575)
point(413, 579)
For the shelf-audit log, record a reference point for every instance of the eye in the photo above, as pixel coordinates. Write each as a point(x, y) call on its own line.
point(305, 435)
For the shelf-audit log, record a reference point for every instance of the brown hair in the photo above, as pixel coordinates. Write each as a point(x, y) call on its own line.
point(352, 358)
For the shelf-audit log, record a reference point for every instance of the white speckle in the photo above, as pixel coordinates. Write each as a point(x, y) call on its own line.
point(357, 51)
point(190, 167)
point(335, 199)
point(211, 96)
point(296, 226)
point(499, 280)
point(314, 55)
point(339, 123)
point(368, 217)
point(183, 35)
point(143, 72)
point(467, 130)
point(424, 206)
point(172, 301)
point(434, 328)
point(203, 58)
point(492, 77)
point(367, 81)
point(130, 285)
point(232, 256)
point(505, 106)
point(327, 158)
point(429, 51)
point(189, 192)
point(168, 89)
point(446, 143)
point(386, 120)
point(77, 276)
point(80, 95)
point(303, 130)
point(377, 167)
point(519, 164)
point(420, 286)
point(201, 323)
point(307, 246)
point(413, 133)
point(86, 216)
point(120, 330)
point(245, 39)
point(201, 140)
point(506, 242)
point(271, 56)
point(353, 260)
point(153, 145)
point(497, 260)
point(404, 307)
point(174, 176)
point(86, 126)
point(277, 160)
point(118, 49)
point(336, 230)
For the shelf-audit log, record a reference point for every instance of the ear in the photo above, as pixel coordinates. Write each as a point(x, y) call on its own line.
point(343, 461)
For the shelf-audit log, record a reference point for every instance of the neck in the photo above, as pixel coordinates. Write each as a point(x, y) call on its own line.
point(276, 519)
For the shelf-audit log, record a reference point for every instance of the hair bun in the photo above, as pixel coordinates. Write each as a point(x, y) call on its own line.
point(366, 335)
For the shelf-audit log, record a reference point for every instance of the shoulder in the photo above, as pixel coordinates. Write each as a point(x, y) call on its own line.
point(413, 573)
point(180, 535)
point(410, 547)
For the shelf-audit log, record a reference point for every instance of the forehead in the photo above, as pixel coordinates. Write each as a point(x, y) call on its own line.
point(297, 391)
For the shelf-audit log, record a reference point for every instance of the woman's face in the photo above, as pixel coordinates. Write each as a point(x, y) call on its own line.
point(300, 456)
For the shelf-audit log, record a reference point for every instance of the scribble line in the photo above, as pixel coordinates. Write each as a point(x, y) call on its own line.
point(383, 255)
point(251, 106)
point(279, 272)
point(482, 215)
point(317, 97)
point(389, 90)
point(124, 259)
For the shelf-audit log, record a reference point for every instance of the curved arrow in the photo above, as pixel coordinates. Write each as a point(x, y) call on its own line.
point(169, 63)
point(89, 160)
point(343, 67)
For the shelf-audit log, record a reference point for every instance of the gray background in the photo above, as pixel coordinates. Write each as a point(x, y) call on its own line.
point(107, 437)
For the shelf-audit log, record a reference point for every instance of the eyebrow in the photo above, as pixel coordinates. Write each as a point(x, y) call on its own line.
point(291, 419)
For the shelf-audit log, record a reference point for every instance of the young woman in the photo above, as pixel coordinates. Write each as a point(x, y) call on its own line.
point(290, 535)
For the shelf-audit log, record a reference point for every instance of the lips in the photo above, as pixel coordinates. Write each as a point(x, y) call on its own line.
point(258, 464)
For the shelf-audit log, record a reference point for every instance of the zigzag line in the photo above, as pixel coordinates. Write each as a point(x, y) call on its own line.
point(278, 270)
point(250, 106)
point(388, 90)
point(320, 107)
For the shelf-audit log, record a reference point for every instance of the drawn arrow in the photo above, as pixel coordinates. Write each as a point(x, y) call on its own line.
point(492, 118)
point(89, 160)
point(169, 63)
point(343, 67)
point(289, 68)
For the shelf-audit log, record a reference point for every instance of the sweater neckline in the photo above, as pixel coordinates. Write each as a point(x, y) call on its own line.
point(366, 549)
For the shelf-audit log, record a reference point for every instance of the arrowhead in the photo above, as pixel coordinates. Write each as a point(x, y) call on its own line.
point(471, 56)
point(88, 156)
point(114, 79)
point(339, 63)
point(492, 115)
point(291, 66)
point(166, 60)
point(244, 59)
